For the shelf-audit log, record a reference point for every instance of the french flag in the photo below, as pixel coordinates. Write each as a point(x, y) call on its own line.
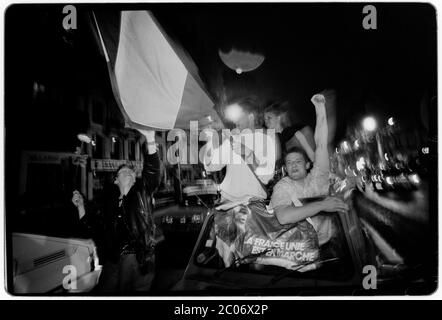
point(154, 80)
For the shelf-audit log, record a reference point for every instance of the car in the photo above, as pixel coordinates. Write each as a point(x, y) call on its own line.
point(53, 265)
point(352, 265)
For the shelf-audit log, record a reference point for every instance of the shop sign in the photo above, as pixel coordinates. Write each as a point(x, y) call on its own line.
point(112, 165)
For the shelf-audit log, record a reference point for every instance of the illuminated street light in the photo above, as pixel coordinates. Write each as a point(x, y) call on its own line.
point(391, 121)
point(84, 138)
point(369, 124)
point(234, 112)
point(414, 178)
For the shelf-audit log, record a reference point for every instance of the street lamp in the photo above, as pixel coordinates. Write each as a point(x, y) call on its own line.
point(234, 112)
point(369, 124)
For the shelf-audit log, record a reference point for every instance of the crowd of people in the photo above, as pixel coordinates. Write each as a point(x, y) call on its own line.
point(129, 229)
point(305, 161)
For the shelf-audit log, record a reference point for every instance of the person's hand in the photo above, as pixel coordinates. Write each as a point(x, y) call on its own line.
point(149, 134)
point(318, 99)
point(333, 204)
point(150, 140)
point(78, 201)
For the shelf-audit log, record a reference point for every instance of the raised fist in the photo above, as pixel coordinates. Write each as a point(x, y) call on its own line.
point(77, 199)
point(149, 134)
point(318, 99)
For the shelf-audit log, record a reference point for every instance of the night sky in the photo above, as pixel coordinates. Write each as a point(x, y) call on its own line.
point(308, 48)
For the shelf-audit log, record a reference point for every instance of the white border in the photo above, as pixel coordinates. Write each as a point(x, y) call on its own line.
point(6, 296)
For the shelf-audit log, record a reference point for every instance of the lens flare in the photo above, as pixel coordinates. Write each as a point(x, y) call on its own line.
point(369, 124)
point(234, 112)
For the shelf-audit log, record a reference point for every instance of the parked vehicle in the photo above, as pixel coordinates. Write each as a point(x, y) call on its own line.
point(352, 265)
point(43, 265)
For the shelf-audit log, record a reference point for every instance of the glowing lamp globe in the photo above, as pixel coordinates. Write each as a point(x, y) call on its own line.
point(369, 124)
point(233, 112)
point(241, 61)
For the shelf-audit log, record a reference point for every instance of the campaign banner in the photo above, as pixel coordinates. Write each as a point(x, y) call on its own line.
point(248, 233)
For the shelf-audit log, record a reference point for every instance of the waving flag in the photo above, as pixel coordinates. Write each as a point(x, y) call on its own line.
point(155, 82)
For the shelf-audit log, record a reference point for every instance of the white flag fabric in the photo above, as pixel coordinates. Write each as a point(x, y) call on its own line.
point(155, 81)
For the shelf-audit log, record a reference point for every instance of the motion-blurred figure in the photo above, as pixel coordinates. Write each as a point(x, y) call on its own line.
point(129, 228)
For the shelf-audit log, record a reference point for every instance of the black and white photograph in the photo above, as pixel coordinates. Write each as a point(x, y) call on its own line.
point(220, 150)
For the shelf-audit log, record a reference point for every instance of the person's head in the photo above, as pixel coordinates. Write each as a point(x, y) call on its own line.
point(297, 163)
point(240, 216)
point(125, 176)
point(276, 116)
point(244, 113)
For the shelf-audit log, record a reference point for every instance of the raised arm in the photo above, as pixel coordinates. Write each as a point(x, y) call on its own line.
point(321, 160)
point(305, 139)
point(87, 225)
point(212, 158)
point(151, 164)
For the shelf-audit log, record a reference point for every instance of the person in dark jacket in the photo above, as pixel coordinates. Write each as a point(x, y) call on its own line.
point(129, 228)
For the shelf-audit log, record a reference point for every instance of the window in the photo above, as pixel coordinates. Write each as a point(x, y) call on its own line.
point(131, 149)
point(115, 148)
point(97, 147)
